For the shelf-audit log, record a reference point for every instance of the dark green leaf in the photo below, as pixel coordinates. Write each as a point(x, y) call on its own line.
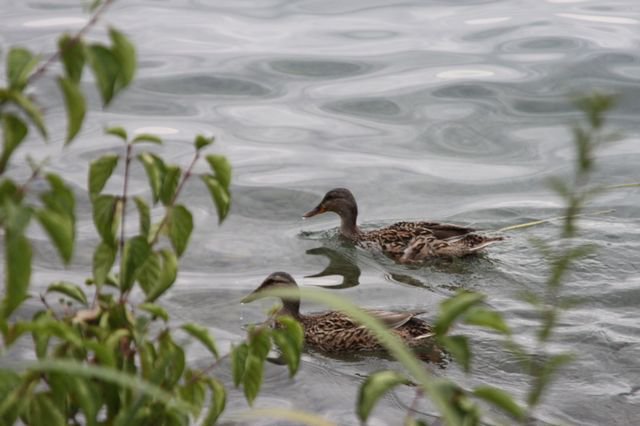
point(117, 131)
point(61, 231)
point(14, 131)
point(70, 290)
point(453, 307)
point(61, 198)
point(374, 387)
point(72, 53)
point(220, 195)
point(103, 259)
point(145, 216)
point(31, 109)
point(43, 411)
point(175, 354)
point(76, 107)
point(136, 252)
point(100, 171)
point(158, 273)
point(154, 310)
point(145, 137)
point(202, 141)
point(18, 270)
point(203, 336)
point(180, 228)
point(218, 401)
point(458, 346)
point(289, 340)
point(487, 318)
point(20, 63)
point(85, 393)
point(106, 70)
point(222, 169)
point(260, 342)
point(9, 380)
point(252, 380)
point(125, 54)
point(500, 399)
point(170, 184)
point(155, 169)
point(194, 391)
point(238, 361)
point(104, 214)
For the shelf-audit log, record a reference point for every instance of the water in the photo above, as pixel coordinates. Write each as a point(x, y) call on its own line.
point(438, 110)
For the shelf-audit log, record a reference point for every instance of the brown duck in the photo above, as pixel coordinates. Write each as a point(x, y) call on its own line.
point(401, 241)
point(335, 332)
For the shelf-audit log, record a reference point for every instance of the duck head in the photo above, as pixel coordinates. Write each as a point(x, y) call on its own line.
point(342, 202)
point(277, 280)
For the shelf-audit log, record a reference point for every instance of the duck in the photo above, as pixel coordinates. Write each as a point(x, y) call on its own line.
point(405, 242)
point(336, 332)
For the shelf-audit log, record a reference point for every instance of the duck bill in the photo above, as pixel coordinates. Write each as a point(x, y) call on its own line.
point(254, 295)
point(318, 210)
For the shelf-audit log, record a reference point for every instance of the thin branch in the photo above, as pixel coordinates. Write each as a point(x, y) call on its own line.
point(208, 370)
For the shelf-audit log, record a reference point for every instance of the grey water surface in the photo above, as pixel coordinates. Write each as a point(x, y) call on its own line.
point(440, 110)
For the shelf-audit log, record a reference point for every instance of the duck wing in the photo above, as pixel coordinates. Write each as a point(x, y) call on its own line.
point(441, 231)
point(393, 319)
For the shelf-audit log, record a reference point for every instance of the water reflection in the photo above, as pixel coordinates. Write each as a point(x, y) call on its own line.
point(339, 264)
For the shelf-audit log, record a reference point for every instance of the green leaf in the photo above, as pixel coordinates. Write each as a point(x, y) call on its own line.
point(544, 375)
point(117, 131)
point(500, 399)
point(260, 342)
point(31, 110)
point(453, 307)
point(104, 214)
point(9, 380)
point(18, 270)
point(290, 341)
point(154, 310)
point(103, 259)
point(170, 184)
point(145, 216)
point(218, 401)
point(155, 169)
point(100, 171)
point(376, 385)
point(222, 169)
point(175, 354)
point(238, 361)
point(44, 412)
point(145, 137)
point(220, 196)
point(180, 228)
point(75, 105)
point(125, 54)
point(136, 252)
point(194, 391)
point(70, 290)
point(60, 198)
point(158, 273)
point(106, 70)
point(20, 63)
point(72, 53)
point(487, 318)
point(61, 231)
point(252, 380)
point(203, 336)
point(202, 141)
point(87, 396)
point(458, 346)
point(14, 131)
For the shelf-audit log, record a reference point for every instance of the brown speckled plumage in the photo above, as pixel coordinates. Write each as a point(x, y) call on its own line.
point(335, 332)
point(402, 241)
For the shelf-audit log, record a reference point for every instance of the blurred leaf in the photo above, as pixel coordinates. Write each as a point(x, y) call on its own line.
point(136, 252)
point(252, 380)
point(61, 231)
point(155, 169)
point(222, 169)
point(42, 411)
point(169, 184)
point(70, 290)
point(85, 393)
point(218, 401)
point(72, 53)
point(106, 70)
point(220, 196)
point(259, 342)
point(155, 310)
point(487, 318)
point(103, 259)
point(180, 228)
point(543, 376)
point(290, 341)
point(31, 109)
point(202, 141)
point(158, 273)
point(194, 390)
point(458, 346)
point(453, 307)
point(238, 361)
point(374, 387)
point(75, 105)
point(175, 354)
point(104, 211)
point(145, 216)
point(9, 380)
point(203, 336)
point(500, 399)
point(125, 54)
point(118, 132)
point(60, 198)
point(17, 255)
point(100, 171)
point(14, 131)
point(20, 63)
point(145, 137)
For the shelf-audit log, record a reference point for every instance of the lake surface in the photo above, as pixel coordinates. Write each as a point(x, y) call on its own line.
point(441, 110)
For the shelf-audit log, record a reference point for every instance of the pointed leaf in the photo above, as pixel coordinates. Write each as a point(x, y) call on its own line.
point(170, 184)
point(290, 341)
point(202, 334)
point(155, 310)
point(100, 171)
point(14, 131)
point(238, 362)
point(458, 346)
point(145, 216)
point(31, 110)
point(104, 212)
point(125, 54)
point(487, 318)
point(117, 131)
point(222, 169)
point(500, 399)
point(158, 273)
point(103, 259)
point(373, 388)
point(220, 195)
point(453, 307)
point(252, 380)
point(72, 53)
point(136, 252)
point(70, 290)
point(202, 141)
point(180, 228)
point(20, 63)
point(60, 198)
point(145, 137)
point(106, 70)
point(155, 169)
point(75, 105)
point(61, 231)
point(18, 271)
point(194, 391)
point(218, 401)
point(44, 412)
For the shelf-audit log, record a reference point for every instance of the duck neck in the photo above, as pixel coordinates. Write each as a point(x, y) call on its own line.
point(290, 307)
point(348, 226)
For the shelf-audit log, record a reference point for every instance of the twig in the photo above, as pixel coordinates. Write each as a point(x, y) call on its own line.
point(207, 370)
point(541, 221)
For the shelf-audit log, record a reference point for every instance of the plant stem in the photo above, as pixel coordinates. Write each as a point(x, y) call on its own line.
point(125, 187)
point(207, 370)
